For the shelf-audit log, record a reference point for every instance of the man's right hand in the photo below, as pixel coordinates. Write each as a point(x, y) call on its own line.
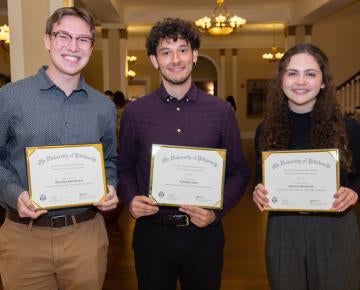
point(26, 208)
point(142, 206)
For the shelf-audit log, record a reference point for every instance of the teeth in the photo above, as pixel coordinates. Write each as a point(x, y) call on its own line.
point(71, 58)
point(300, 91)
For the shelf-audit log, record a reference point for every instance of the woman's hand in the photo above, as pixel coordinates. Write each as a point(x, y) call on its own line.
point(344, 198)
point(259, 197)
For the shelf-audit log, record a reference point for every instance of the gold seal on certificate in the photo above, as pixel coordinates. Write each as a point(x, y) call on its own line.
point(187, 175)
point(301, 180)
point(66, 176)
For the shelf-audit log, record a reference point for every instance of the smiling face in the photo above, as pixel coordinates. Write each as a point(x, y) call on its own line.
point(175, 61)
point(302, 82)
point(68, 61)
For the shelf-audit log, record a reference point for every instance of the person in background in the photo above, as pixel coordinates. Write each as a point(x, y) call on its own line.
point(60, 248)
point(310, 250)
point(184, 243)
point(120, 102)
point(232, 102)
point(109, 94)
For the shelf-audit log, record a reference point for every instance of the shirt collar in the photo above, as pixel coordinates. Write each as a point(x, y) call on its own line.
point(191, 95)
point(46, 83)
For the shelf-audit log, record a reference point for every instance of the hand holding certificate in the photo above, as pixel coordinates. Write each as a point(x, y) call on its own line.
point(66, 176)
point(187, 176)
point(301, 180)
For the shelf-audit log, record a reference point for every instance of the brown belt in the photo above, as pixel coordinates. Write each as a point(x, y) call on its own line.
point(59, 221)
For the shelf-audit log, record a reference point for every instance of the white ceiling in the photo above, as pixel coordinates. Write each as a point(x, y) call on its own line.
point(139, 15)
point(146, 12)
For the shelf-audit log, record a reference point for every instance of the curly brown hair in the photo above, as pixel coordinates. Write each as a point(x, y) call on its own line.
point(327, 122)
point(173, 28)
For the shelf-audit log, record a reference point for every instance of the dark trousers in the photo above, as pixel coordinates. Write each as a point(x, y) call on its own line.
point(165, 253)
point(313, 252)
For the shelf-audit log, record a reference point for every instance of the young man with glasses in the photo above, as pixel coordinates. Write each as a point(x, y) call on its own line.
point(187, 242)
point(61, 248)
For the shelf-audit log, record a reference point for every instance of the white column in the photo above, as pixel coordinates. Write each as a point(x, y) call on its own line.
point(114, 49)
point(123, 59)
point(234, 73)
point(17, 66)
point(27, 23)
point(221, 84)
point(105, 59)
point(290, 39)
point(308, 33)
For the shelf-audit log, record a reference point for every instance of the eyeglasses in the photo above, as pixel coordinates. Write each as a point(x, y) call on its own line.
point(63, 39)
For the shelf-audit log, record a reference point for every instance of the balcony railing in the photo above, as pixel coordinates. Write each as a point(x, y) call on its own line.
point(348, 94)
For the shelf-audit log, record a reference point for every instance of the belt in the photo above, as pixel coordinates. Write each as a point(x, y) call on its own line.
point(309, 213)
point(177, 220)
point(55, 222)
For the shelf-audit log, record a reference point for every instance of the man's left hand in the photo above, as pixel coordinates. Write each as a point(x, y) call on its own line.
point(110, 202)
point(200, 217)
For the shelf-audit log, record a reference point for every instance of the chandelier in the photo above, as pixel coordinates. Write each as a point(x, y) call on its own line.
point(275, 53)
point(220, 23)
point(5, 36)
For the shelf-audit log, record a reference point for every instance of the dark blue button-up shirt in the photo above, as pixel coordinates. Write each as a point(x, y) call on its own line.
point(35, 112)
point(197, 120)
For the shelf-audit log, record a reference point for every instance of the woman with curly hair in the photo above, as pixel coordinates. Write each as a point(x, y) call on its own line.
point(310, 250)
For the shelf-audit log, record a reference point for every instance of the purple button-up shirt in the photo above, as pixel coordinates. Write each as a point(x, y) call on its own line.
point(197, 120)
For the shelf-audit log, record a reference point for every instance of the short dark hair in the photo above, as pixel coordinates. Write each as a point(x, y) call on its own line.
point(173, 28)
point(232, 102)
point(70, 11)
point(119, 99)
point(108, 93)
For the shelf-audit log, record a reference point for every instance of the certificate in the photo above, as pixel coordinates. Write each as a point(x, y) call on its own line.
point(301, 180)
point(66, 176)
point(187, 176)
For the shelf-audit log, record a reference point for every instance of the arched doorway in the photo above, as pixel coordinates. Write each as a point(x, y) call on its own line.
point(205, 75)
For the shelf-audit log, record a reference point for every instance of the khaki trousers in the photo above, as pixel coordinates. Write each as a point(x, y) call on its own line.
point(42, 258)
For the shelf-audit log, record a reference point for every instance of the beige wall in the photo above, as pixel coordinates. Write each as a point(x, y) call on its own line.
point(4, 55)
point(93, 72)
point(4, 62)
point(250, 66)
point(144, 68)
point(339, 37)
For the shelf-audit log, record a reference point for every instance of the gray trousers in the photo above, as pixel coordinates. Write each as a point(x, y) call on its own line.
point(313, 251)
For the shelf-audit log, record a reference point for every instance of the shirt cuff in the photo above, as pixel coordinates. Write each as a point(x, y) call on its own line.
point(11, 195)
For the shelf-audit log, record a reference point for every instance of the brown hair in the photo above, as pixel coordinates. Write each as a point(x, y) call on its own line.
point(173, 28)
point(327, 123)
point(70, 11)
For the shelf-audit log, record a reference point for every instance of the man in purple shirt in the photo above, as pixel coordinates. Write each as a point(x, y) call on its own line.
point(166, 246)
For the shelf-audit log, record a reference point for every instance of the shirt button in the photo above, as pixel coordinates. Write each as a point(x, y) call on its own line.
point(187, 99)
point(167, 99)
point(177, 109)
point(178, 130)
point(67, 125)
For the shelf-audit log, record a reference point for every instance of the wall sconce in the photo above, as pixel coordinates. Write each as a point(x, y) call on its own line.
point(130, 73)
point(5, 37)
point(131, 59)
